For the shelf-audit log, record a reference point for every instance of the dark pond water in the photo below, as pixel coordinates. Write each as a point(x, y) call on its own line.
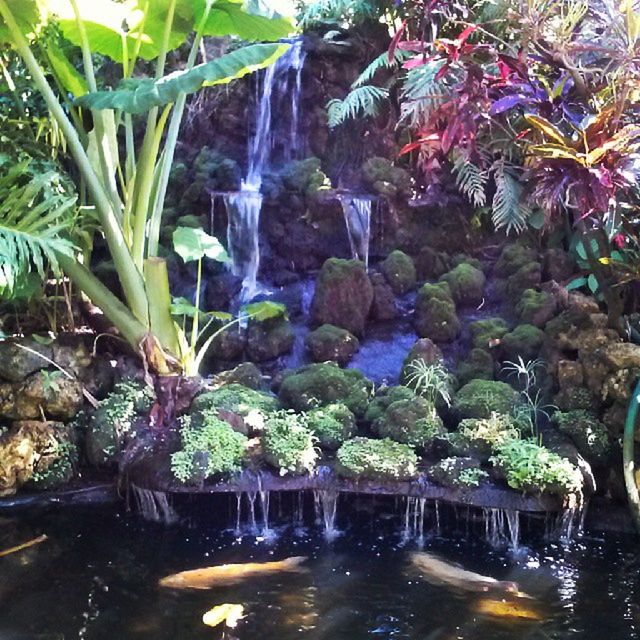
point(96, 577)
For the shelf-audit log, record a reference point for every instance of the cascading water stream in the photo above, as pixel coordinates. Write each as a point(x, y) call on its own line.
point(357, 218)
point(244, 206)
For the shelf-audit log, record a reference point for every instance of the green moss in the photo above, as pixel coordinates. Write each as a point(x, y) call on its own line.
point(380, 174)
point(525, 342)
point(478, 365)
point(466, 284)
point(483, 435)
point(514, 256)
point(572, 398)
point(413, 422)
point(288, 444)
point(254, 406)
point(458, 472)
point(383, 399)
point(305, 176)
point(317, 385)
point(529, 276)
point(61, 470)
point(399, 271)
point(484, 332)
point(530, 467)
point(329, 342)
point(332, 425)
point(463, 258)
point(587, 432)
point(481, 398)
point(536, 307)
point(365, 458)
point(435, 315)
point(211, 449)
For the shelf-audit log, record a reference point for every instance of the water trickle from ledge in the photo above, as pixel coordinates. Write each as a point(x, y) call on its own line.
point(502, 527)
point(154, 505)
point(326, 501)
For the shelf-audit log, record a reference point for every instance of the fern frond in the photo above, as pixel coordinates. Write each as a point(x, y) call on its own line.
point(471, 180)
point(35, 219)
point(381, 62)
point(422, 94)
point(509, 208)
point(363, 101)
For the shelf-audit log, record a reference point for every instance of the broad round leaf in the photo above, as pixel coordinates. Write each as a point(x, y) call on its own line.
point(265, 310)
point(194, 244)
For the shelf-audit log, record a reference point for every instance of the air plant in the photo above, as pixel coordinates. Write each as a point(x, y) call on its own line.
point(525, 372)
point(432, 381)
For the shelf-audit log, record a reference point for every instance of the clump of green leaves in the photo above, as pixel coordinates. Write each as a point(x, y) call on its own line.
point(458, 472)
point(492, 431)
point(210, 449)
point(331, 424)
point(381, 459)
point(527, 466)
point(288, 443)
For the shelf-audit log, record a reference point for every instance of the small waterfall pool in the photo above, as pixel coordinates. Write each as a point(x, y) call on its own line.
point(96, 578)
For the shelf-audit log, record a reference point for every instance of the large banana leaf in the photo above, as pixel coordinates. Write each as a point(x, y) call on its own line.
point(25, 13)
point(141, 95)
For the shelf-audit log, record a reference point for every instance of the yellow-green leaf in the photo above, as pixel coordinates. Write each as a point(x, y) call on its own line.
point(25, 13)
point(556, 151)
point(70, 78)
point(547, 128)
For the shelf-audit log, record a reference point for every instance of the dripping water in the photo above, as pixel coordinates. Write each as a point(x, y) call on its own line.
point(326, 501)
point(154, 505)
point(502, 526)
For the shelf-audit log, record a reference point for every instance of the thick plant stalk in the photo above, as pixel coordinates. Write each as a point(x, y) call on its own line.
point(628, 456)
point(162, 325)
point(130, 276)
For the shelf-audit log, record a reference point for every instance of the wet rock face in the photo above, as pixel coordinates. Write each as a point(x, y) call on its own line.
point(331, 343)
point(384, 301)
point(343, 295)
point(435, 314)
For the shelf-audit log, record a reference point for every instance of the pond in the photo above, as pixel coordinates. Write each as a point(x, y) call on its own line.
point(96, 577)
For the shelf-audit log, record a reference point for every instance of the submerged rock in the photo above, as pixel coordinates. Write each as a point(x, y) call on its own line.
point(435, 314)
point(365, 458)
point(481, 398)
point(400, 272)
point(343, 295)
point(466, 283)
point(331, 343)
point(326, 383)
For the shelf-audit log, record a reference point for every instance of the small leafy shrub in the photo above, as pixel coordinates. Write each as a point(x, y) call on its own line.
point(210, 449)
point(332, 425)
point(376, 459)
point(530, 467)
point(431, 381)
point(458, 472)
point(288, 444)
point(490, 432)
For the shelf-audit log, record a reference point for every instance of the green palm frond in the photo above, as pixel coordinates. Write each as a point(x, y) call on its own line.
point(471, 180)
point(362, 101)
point(36, 217)
point(509, 208)
point(422, 93)
point(381, 62)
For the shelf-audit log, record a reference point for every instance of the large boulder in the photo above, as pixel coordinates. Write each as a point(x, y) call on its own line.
point(331, 343)
point(435, 315)
point(384, 300)
point(343, 295)
point(270, 338)
point(323, 384)
point(466, 283)
point(400, 272)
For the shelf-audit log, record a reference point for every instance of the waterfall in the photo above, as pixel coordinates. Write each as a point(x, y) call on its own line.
point(414, 520)
point(357, 218)
point(502, 526)
point(327, 507)
point(244, 206)
point(154, 505)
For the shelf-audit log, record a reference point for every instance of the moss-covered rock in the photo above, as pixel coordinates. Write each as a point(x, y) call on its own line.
point(424, 350)
point(400, 272)
point(210, 449)
point(481, 398)
point(483, 435)
point(288, 444)
point(527, 466)
point(384, 397)
point(245, 374)
point(536, 307)
point(477, 365)
point(513, 256)
point(488, 332)
point(270, 338)
point(343, 295)
point(413, 421)
point(529, 276)
point(570, 398)
point(466, 284)
point(587, 432)
point(365, 458)
point(458, 473)
point(251, 405)
point(431, 264)
point(435, 314)
point(384, 300)
point(525, 342)
point(386, 179)
point(326, 383)
point(305, 176)
point(116, 420)
point(328, 342)
point(331, 425)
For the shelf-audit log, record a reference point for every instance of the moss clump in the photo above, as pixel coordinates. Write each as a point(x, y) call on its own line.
point(288, 444)
point(399, 271)
point(486, 332)
point(530, 467)
point(317, 385)
point(587, 432)
point(525, 342)
point(466, 284)
point(328, 342)
point(211, 449)
point(435, 314)
point(514, 256)
point(253, 406)
point(536, 307)
point(114, 421)
point(457, 472)
point(572, 398)
point(529, 276)
point(478, 365)
point(305, 176)
point(332, 425)
point(383, 399)
point(61, 469)
point(386, 179)
point(485, 434)
point(365, 458)
point(481, 398)
point(413, 422)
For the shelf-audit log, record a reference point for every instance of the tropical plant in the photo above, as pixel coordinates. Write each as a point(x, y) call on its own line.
point(128, 192)
point(430, 380)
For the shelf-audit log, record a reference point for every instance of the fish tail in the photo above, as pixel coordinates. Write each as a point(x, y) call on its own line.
point(295, 562)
